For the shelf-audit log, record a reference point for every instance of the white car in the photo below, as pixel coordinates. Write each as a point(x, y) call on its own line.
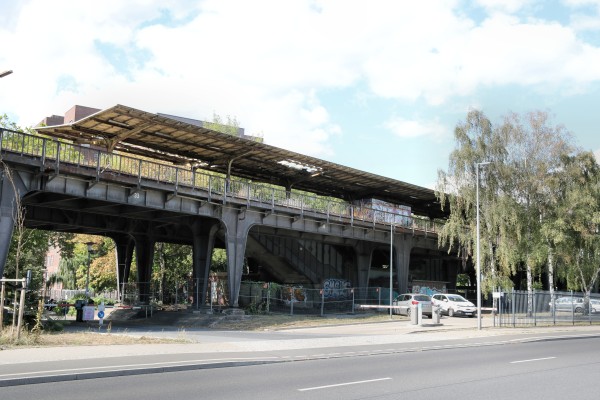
point(454, 304)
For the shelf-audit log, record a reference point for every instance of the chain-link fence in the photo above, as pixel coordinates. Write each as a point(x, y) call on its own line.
point(543, 308)
point(509, 309)
point(68, 294)
point(295, 299)
point(264, 297)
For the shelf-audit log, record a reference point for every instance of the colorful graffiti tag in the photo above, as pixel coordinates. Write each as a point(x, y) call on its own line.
point(337, 289)
point(295, 294)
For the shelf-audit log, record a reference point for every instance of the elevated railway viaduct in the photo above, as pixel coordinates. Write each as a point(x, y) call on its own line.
point(142, 178)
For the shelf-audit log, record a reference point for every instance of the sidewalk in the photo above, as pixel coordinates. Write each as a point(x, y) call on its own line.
point(211, 348)
point(205, 340)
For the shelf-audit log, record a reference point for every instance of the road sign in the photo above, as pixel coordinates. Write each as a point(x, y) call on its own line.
point(100, 314)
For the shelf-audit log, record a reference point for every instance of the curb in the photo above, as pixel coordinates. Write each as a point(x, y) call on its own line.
point(30, 380)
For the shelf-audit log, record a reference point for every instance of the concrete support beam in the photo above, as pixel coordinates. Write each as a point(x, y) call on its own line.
point(7, 212)
point(144, 255)
point(202, 247)
point(402, 244)
point(237, 225)
point(364, 256)
point(124, 245)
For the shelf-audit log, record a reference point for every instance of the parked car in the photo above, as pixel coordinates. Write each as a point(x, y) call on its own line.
point(595, 305)
point(404, 302)
point(570, 304)
point(454, 304)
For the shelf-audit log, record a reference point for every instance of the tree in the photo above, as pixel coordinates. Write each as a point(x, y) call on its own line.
point(577, 227)
point(515, 191)
point(74, 262)
point(476, 142)
point(172, 266)
point(103, 266)
point(230, 126)
point(24, 252)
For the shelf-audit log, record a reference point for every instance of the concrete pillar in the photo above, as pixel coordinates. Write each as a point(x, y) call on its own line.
point(237, 225)
point(202, 247)
point(364, 257)
point(6, 230)
point(7, 222)
point(402, 247)
point(124, 245)
point(144, 255)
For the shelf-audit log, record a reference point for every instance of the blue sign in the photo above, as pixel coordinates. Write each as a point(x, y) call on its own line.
point(100, 314)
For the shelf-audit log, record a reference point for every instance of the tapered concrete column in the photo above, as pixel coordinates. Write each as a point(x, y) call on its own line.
point(124, 245)
point(7, 212)
point(6, 229)
point(202, 247)
point(364, 257)
point(402, 247)
point(144, 256)
point(237, 225)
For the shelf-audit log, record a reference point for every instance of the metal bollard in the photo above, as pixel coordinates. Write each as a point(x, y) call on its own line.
point(414, 314)
point(435, 314)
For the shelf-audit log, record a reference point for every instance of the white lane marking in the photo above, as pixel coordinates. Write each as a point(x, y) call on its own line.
point(550, 337)
point(343, 384)
point(533, 359)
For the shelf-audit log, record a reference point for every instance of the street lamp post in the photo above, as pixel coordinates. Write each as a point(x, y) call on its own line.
point(5, 73)
point(477, 165)
point(391, 266)
point(90, 250)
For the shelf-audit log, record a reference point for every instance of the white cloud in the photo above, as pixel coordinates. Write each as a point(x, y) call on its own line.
point(586, 22)
point(267, 61)
point(405, 128)
point(507, 6)
point(579, 3)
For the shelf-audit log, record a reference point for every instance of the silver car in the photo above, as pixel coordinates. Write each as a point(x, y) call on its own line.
point(570, 304)
point(595, 305)
point(402, 304)
point(454, 304)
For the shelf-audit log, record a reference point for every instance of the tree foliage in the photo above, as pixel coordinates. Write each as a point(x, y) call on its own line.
point(521, 190)
point(228, 125)
point(576, 228)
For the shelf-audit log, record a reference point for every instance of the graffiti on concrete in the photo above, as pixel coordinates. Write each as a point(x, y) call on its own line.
point(337, 289)
point(294, 294)
point(430, 291)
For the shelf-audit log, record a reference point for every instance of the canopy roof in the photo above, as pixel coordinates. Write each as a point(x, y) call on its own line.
point(185, 142)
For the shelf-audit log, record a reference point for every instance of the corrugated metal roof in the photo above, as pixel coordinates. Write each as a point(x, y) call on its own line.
point(162, 137)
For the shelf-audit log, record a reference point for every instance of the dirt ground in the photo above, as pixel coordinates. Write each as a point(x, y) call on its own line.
point(179, 318)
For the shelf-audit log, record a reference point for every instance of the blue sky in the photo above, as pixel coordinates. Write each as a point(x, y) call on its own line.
point(377, 85)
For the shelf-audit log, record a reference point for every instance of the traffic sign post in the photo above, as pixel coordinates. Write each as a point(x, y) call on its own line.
point(101, 313)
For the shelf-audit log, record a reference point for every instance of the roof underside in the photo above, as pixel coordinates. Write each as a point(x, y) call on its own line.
point(157, 136)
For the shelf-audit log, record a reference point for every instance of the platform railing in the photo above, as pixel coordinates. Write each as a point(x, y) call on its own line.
point(56, 153)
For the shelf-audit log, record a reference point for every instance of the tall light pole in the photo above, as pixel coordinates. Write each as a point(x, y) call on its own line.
point(90, 249)
point(5, 73)
point(391, 265)
point(477, 165)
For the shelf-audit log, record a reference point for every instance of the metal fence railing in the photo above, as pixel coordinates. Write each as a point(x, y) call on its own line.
point(543, 308)
point(512, 308)
point(254, 297)
point(299, 300)
point(101, 165)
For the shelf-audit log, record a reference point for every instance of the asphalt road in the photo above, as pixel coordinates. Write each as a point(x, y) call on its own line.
point(544, 369)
